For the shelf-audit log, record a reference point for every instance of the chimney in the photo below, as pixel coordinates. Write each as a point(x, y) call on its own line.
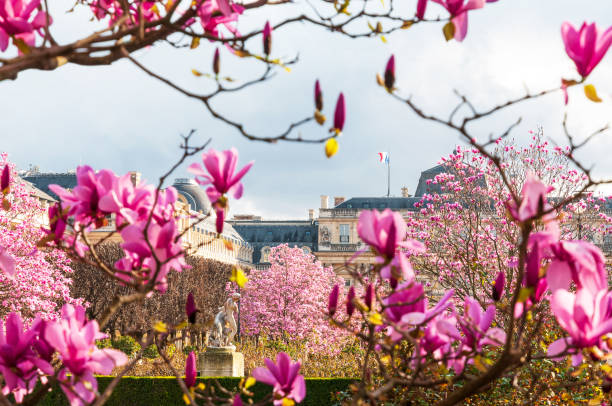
point(310, 214)
point(405, 192)
point(338, 200)
point(135, 177)
point(324, 202)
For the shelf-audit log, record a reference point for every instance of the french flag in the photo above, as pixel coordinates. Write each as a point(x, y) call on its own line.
point(383, 157)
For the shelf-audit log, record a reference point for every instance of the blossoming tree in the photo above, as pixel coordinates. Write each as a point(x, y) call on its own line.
point(37, 282)
point(294, 309)
point(463, 219)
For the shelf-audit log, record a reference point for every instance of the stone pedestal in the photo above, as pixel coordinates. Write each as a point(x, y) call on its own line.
point(221, 361)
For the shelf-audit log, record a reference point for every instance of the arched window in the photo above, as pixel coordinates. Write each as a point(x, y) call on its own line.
point(306, 250)
point(265, 253)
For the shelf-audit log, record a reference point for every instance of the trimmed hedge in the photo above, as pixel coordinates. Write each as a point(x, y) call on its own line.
point(164, 391)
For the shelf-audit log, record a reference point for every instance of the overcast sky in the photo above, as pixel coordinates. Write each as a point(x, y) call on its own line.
point(117, 117)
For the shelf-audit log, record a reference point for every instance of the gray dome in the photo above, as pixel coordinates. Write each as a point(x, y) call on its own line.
point(193, 193)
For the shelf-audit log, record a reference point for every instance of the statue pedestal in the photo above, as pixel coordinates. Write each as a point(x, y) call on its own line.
point(221, 361)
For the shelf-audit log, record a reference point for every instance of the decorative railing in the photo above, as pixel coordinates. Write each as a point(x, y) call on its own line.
point(344, 247)
point(331, 213)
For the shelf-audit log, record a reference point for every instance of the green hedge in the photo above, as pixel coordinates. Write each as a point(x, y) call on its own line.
point(164, 391)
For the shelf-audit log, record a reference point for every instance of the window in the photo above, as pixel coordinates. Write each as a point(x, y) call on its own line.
point(366, 205)
point(344, 233)
point(307, 235)
point(347, 283)
point(269, 235)
point(265, 252)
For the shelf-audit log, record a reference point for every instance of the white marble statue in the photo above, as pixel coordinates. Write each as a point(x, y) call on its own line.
point(225, 326)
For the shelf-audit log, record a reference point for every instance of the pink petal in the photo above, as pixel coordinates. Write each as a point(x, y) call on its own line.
point(558, 276)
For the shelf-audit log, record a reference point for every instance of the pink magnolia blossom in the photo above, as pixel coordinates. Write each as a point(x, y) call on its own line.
point(439, 334)
point(132, 203)
point(74, 338)
point(385, 232)
point(476, 326)
point(213, 13)
point(458, 10)
point(411, 296)
point(585, 316)
point(587, 46)
point(407, 307)
point(219, 174)
point(83, 201)
point(16, 21)
point(283, 377)
point(141, 261)
point(139, 10)
point(7, 262)
point(533, 199)
point(536, 295)
point(19, 363)
point(399, 269)
point(578, 261)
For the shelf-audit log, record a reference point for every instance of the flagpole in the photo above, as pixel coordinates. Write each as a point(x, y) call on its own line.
point(388, 174)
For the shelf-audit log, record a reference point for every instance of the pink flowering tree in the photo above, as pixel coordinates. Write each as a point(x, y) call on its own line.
point(464, 223)
point(294, 310)
point(37, 281)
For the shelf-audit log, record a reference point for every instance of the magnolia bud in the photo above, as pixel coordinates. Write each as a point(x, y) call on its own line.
point(332, 304)
point(350, 307)
point(340, 113)
point(191, 309)
point(216, 62)
point(267, 38)
point(5, 180)
point(498, 286)
point(390, 73)
point(369, 296)
point(318, 96)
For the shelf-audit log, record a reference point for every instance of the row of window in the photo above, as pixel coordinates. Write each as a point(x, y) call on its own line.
point(367, 205)
point(270, 235)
